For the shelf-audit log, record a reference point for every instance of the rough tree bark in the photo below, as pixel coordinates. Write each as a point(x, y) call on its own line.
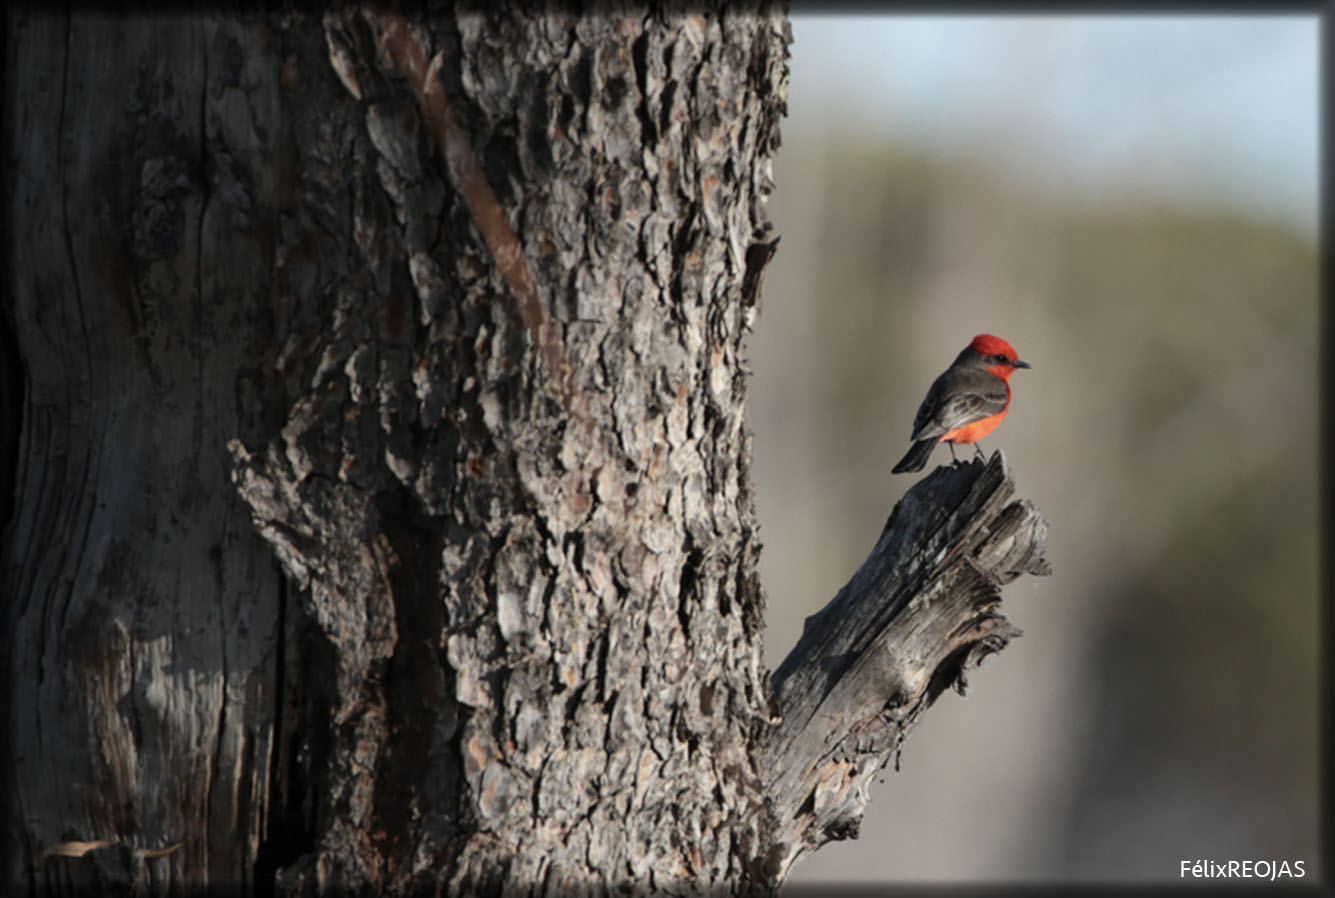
point(446, 317)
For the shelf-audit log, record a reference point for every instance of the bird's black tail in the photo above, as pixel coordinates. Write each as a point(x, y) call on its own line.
point(917, 456)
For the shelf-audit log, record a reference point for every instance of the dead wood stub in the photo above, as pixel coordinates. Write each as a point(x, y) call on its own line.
point(920, 611)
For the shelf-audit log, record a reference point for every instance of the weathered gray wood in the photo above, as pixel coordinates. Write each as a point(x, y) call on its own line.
point(140, 609)
point(919, 611)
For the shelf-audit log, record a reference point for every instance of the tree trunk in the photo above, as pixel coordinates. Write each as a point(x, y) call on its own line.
point(514, 491)
point(446, 317)
point(474, 334)
point(141, 614)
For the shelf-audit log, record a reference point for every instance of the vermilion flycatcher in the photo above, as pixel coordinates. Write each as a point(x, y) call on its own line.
point(966, 402)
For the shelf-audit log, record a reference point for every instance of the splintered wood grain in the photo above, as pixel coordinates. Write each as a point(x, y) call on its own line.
point(141, 609)
point(920, 610)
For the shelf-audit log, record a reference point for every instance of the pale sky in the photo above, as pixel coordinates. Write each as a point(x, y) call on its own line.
point(1221, 107)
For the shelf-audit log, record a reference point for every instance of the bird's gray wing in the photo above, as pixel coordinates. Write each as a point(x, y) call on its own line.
point(958, 398)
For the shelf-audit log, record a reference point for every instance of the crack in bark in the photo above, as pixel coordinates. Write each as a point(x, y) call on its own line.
point(85, 355)
point(216, 776)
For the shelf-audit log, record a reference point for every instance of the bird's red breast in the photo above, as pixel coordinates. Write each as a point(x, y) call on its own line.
point(975, 431)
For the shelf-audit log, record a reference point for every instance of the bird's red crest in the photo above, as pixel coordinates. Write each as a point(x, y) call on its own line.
point(986, 344)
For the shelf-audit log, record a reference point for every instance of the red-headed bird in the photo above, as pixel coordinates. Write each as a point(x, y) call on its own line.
point(966, 402)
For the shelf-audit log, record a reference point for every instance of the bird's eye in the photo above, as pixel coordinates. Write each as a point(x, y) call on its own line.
point(1000, 358)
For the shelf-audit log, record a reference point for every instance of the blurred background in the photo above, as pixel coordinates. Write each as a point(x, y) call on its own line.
point(1132, 202)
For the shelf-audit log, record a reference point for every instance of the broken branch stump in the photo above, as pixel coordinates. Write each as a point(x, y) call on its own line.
point(919, 611)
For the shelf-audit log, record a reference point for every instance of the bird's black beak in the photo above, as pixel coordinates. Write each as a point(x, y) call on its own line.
point(1019, 364)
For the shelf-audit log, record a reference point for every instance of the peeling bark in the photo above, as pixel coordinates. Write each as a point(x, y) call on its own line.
point(529, 410)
